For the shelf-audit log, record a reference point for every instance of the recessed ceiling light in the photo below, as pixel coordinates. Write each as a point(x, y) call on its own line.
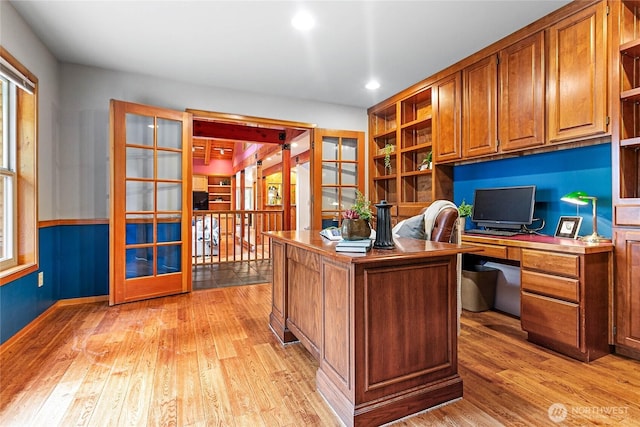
point(303, 21)
point(372, 85)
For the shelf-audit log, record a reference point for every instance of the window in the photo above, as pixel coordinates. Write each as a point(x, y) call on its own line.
point(18, 183)
point(7, 174)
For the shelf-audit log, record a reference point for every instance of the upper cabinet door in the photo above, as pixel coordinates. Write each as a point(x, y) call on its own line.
point(521, 101)
point(479, 99)
point(577, 79)
point(446, 99)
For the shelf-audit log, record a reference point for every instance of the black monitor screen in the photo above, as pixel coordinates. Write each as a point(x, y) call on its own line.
point(200, 201)
point(506, 207)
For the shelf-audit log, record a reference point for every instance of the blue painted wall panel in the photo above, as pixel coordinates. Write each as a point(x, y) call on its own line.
point(554, 174)
point(75, 263)
point(83, 260)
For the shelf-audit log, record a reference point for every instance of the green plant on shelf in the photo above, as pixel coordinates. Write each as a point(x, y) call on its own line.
point(427, 161)
point(388, 149)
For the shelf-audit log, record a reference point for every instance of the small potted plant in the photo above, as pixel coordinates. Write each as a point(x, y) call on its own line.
point(427, 161)
point(388, 149)
point(355, 221)
point(464, 211)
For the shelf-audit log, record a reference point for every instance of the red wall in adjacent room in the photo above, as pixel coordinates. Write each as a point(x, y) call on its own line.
point(215, 167)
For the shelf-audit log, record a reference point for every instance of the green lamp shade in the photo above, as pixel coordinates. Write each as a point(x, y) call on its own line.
point(576, 197)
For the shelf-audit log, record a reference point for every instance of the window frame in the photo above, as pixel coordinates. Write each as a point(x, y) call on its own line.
point(26, 182)
point(8, 169)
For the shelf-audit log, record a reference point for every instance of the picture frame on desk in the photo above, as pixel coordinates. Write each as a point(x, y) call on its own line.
point(568, 226)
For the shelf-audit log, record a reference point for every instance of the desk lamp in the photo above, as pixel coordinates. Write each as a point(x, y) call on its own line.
point(581, 198)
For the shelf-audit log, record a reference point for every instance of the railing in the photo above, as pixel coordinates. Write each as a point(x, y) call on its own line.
point(231, 236)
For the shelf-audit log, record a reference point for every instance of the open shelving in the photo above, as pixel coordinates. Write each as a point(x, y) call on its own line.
point(220, 194)
point(406, 126)
point(629, 145)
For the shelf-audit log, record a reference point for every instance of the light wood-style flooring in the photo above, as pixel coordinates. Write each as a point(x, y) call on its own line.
point(209, 358)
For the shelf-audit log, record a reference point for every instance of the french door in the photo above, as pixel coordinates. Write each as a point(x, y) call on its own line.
point(338, 159)
point(150, 201)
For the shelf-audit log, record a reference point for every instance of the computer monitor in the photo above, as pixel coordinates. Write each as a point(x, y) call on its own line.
point(508, 208)
point(200, 201)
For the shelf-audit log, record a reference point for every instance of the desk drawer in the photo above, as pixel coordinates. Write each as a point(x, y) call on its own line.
point(554, 286)
point(551, 262)
point(551, 318)
point(493, 251)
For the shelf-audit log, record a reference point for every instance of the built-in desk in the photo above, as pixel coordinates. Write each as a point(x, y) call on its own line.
point(565, 297)
point(383, 325)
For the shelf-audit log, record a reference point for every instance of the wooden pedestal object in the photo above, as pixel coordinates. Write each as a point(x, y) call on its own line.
point(382, 325)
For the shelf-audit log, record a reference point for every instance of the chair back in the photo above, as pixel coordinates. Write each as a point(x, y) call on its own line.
point(444, 225)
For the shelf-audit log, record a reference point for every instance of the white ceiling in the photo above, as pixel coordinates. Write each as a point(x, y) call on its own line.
point(250, 45)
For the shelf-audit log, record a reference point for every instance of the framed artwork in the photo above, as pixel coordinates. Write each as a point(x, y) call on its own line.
point(568, 226)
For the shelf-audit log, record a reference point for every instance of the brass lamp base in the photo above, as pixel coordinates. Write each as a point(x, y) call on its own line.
point(595, 238)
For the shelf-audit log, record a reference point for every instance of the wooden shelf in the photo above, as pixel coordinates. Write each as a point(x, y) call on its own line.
point(631, 95)
point(631, 48)
point(219, 187)
point(384, 177)
point(630, 143)
point(417, 173)
point(386, 134)
point(417, 123)
point(415, 148)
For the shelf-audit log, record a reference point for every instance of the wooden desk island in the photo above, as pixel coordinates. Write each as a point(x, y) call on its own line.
point(383, 325)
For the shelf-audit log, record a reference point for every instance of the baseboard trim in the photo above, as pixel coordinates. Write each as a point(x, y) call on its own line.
point(45, 314)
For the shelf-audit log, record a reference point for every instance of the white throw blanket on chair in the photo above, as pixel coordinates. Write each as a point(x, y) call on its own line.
point(432, 213)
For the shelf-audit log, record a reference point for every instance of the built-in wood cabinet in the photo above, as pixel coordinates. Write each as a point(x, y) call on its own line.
point(447, 116)
point(383, 136)
point(625, 154)
point(480, 108)
point(415, 154)
point(627, 299)
point(543, 85)
point(521, 107)
point(403, 170)
point(220, 193)
point(577, 75)
point(200, 183)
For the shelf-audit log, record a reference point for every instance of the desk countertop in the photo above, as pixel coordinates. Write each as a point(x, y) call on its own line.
point(405, 247)
point(537, 241)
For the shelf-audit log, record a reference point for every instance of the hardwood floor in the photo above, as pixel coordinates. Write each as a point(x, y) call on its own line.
point(209, 358)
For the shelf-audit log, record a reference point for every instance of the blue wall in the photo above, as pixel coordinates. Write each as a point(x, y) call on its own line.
point(555, 174)
point(75, 263)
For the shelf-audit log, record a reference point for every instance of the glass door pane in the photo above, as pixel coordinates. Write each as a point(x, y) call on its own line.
point(341, 174)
